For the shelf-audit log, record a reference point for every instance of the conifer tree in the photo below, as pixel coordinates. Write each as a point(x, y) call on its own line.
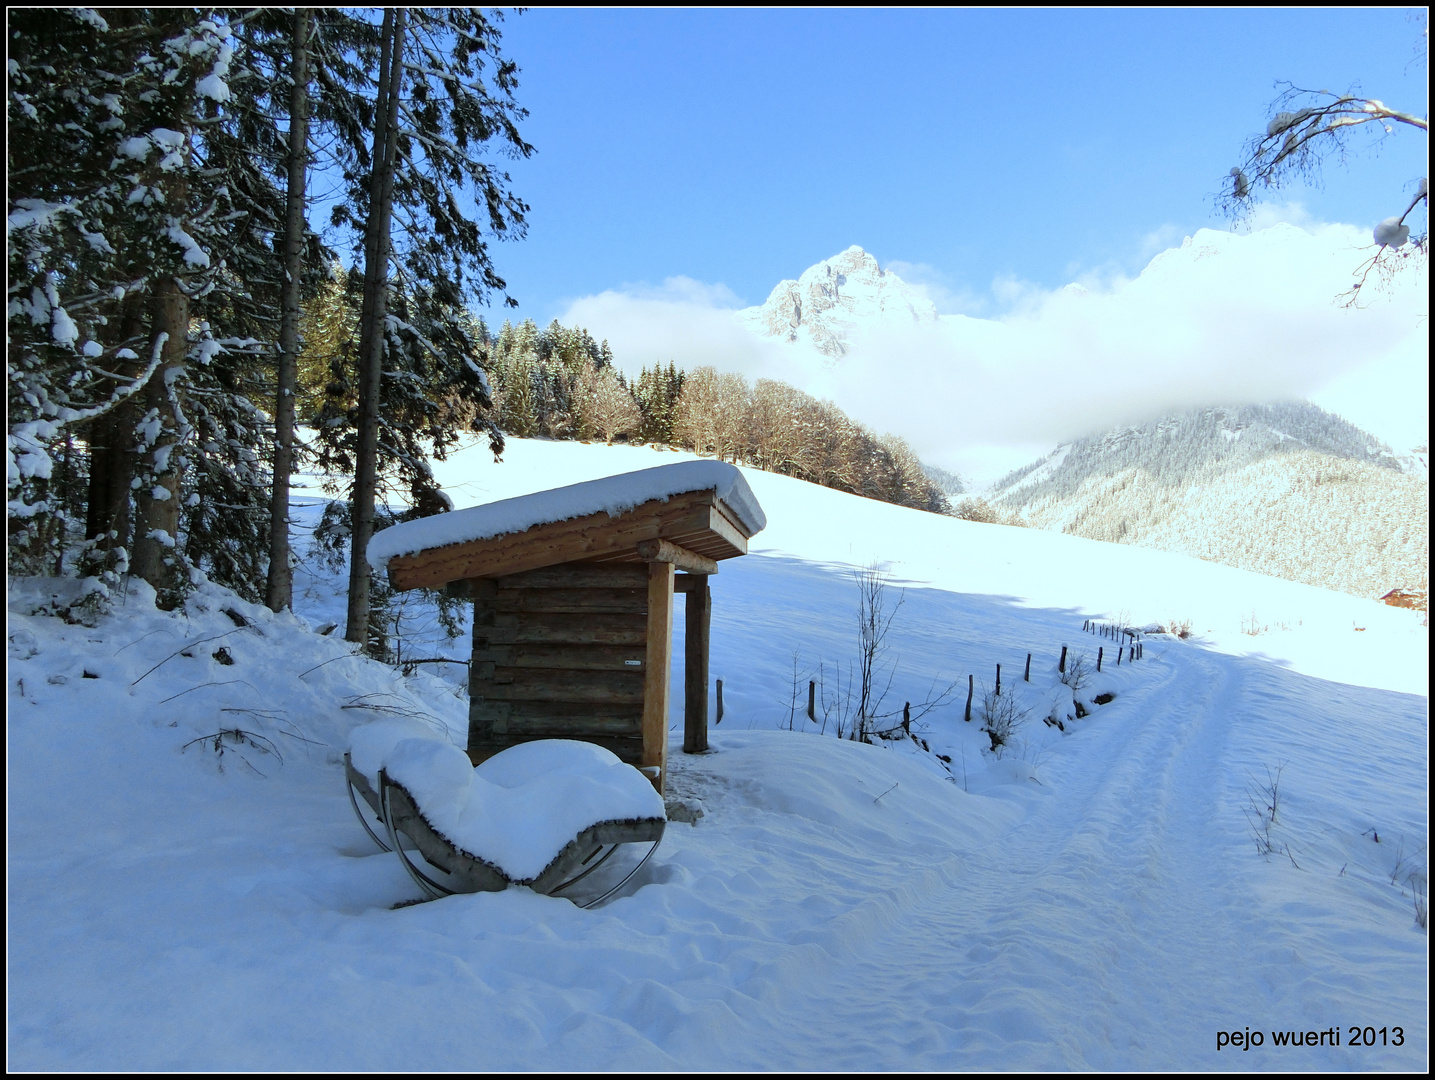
point(445, 95)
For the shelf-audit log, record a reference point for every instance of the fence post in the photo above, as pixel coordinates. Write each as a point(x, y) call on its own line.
point(812, 700)
point(1098, 659)
point(969, 699)
point(1118, 656)
point(1026, 676)
point(719, 702)
point(907, 717)
point(999, 680)
point(1061, 667)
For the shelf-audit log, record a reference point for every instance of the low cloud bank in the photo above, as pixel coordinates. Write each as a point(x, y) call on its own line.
point(1224, 318)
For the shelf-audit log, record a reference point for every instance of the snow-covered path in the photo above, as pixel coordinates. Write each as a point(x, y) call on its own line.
point(1147, 938)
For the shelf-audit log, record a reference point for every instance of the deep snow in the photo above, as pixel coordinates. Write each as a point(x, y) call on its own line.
point(1091, 899)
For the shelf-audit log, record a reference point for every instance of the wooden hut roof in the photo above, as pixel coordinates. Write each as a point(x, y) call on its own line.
point(703, 507)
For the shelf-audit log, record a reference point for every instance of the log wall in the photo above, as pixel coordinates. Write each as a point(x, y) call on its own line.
point(560, 652)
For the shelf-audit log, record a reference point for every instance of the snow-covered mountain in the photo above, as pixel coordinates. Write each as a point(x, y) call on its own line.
point(827, 304)
point(1284, 489)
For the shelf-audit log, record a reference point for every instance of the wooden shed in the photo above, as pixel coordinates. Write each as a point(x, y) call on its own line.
point(573, 592)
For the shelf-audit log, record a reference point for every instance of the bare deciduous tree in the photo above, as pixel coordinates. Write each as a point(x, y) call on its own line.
point(1306, 128)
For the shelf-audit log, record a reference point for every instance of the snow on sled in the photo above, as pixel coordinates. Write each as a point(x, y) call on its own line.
point(545, 814)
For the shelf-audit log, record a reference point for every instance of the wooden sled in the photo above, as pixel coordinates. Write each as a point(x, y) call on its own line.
point(459, 871)
point(397, 816)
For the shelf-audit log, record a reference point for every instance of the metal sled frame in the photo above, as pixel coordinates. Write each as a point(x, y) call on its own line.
point(357, 781)
point(452, 870)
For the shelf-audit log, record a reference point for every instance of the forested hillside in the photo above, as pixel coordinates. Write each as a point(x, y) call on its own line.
point(1285, 489)
point(557, 382)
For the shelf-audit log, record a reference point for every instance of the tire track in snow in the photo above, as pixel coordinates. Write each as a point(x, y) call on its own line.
point(1088, 936)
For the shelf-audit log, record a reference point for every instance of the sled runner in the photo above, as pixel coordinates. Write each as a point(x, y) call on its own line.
point(546, 815)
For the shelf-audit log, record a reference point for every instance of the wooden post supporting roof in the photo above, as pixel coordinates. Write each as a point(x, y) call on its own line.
point(655, 663)
point(698, 616)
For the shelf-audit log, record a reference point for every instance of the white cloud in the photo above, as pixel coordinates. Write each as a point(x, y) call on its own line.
point(682, 320)
point(1292, 213)
point(936, 286)
point(1226, 319)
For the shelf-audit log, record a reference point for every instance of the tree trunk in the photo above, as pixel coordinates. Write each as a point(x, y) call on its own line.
point(372, 322)
point(279, 592)
point(157, 498)
point(112, 452)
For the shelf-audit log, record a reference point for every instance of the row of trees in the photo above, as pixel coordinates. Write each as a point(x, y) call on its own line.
point(560, 383)
point(777, 427)
point(160, 259)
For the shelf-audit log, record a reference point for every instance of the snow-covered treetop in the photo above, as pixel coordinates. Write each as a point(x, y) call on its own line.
point(614, 495)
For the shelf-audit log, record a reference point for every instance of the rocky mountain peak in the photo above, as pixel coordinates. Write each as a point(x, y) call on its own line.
point(831, 300)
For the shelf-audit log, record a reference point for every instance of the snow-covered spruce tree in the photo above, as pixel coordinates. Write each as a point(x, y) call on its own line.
point(657, 392)
point(442, 96)
point(147, 87)
point(67, 366)
point(1309, 126)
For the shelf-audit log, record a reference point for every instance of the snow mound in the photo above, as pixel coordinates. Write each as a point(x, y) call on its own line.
point(614, 495)
point(371, 744)
point(520, 808)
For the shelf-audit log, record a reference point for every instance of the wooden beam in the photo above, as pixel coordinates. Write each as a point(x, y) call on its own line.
point(692, 520)
point(566, 656)
point(573, 601)
point(560, 628)
point(681, 558)
point(655, 684)
point(726, 529)
point(698, 617)
point(583, 575)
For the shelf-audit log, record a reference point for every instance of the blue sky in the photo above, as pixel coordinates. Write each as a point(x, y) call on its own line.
point(740, 147)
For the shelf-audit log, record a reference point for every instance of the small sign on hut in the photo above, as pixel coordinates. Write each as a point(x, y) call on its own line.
point(573, 603)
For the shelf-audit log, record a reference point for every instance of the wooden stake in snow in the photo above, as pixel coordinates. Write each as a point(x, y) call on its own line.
point(969, 699)
point(1061, 667)
point(1098, 659)
point(1026, 675)
point(812, 701)
point(719, 702)
point(999, 679)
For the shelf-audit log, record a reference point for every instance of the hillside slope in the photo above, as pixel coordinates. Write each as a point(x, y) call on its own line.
point(1091, 898)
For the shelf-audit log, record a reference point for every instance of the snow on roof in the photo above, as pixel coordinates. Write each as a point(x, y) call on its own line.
point(614, 494)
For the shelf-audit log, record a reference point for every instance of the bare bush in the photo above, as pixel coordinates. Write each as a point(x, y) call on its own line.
point(977, 510)
point(1078, 672)
point(1263, 813)
point(1180, 628)
point(874, 620)
point(1411, 868)
point(1001, 714)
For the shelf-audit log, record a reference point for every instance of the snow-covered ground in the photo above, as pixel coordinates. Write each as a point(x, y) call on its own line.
point(182, 899)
